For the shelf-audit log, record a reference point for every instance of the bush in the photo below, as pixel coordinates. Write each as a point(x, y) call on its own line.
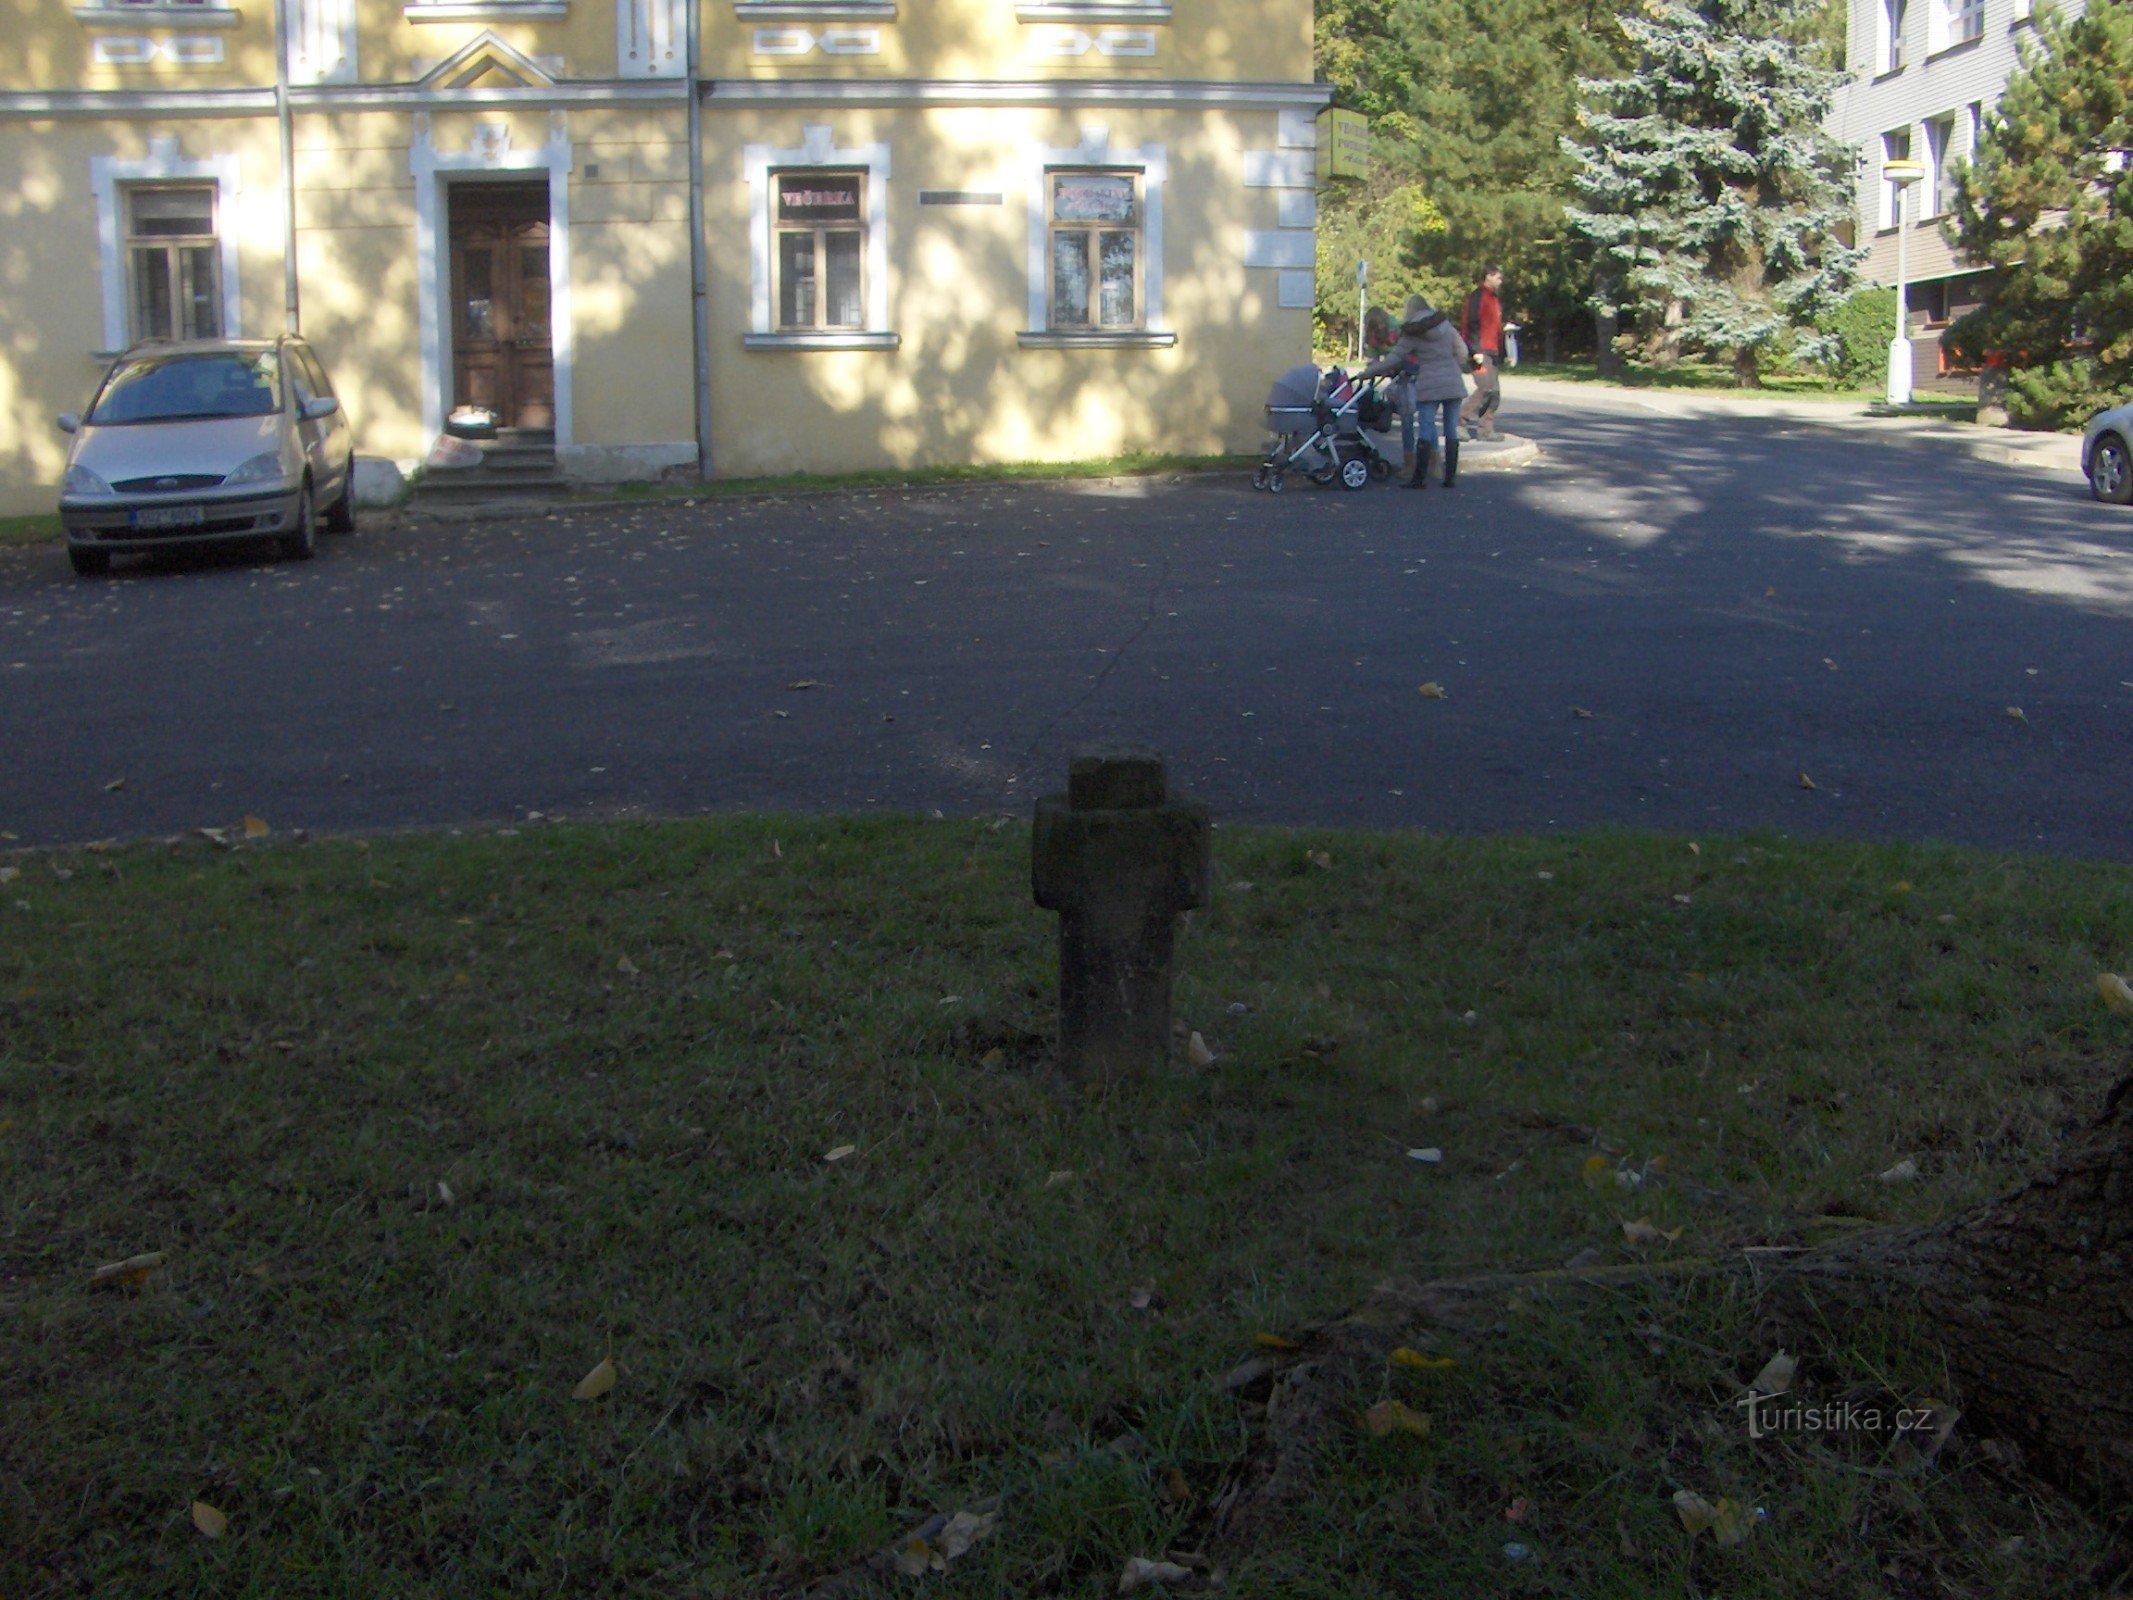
point(2063, 394)
point(1861, 329)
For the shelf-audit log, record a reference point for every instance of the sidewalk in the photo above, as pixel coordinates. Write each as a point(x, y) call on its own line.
point(2056, 453)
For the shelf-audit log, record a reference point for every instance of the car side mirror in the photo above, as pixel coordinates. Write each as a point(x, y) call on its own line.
point(67, 422)
point(324, 406)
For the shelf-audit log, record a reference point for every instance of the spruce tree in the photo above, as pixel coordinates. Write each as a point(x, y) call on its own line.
point(2048, 209)
point(1708, 181)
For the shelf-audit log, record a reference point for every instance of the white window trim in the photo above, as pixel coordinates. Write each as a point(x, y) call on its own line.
point(817, 149)
point(648, 38)
point(162, 164)
point(1097, 151)
point(322, 40)
point(490, 152)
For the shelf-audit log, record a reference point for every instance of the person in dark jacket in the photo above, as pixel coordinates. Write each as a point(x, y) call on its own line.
point(1429, 347)
point(1482, 325)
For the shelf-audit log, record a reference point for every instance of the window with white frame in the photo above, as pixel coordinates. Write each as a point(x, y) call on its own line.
point(820, 250)
point(1895, 146)
point(173, 262)
point(1955, 22)
point(1093, 221)
point(1889, 57)
point(1941, 156)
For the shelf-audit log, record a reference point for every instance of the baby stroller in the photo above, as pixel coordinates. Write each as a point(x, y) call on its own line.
point(1319, 424)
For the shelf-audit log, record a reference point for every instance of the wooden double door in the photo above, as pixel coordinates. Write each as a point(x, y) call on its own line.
point(503, 339)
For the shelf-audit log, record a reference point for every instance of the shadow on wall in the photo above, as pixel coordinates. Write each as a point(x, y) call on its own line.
point(43, 355)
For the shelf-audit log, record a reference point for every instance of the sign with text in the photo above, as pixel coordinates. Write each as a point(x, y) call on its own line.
point(1343, 144)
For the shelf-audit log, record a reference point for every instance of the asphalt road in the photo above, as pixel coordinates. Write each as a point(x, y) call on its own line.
point(1735, 604)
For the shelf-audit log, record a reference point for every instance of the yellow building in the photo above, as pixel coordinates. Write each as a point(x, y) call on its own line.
point(766, 236)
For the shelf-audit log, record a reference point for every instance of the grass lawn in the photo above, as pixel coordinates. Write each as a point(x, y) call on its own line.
point(427, 1127)
point(29, 530)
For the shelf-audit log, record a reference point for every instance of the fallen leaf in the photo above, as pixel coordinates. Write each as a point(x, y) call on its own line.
point(1197, 1053)
point(1430, 1157)
point(2014, 714)
point(1176, 1491)
point(9, 874)
point(803, 683)
point(1056, 1179)
point(134, 1269)
point(2117, 993)
point(256, 827)
point(1695, 849)
point(1829, 663)
point(1770, 593)
point(1731, 1521)
point(1597, 1172)
point(1806, 782)
point(1416, 1361)
point(1141, 1295)
point(1516, 1510)
point(915, 1557)
point(1903, 1172)
point(993, 1058)
point(1140, 1570)
point(625, 966)
point(1581, 713)
point(114, 786)
point(966, 1528)
point(1320, 858)
point(444, 1192)
point(1584, 1259)
point(596, 1382)
point(1776, 1376)
point(1392, 1416)
point(1903, 886)
point(1431, 690)
point(1696, 1513)
point(209, 1521)
point(1275, 1342)
point(1643, 1232)
point(841, 1152)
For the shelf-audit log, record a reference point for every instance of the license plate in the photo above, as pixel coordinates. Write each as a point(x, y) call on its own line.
point(168, 517)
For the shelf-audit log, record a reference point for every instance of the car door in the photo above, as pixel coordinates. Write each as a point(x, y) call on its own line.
point(325, 439)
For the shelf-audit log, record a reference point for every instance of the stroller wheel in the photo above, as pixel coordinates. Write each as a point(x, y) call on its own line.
point(1259, 476)
point(1380, 469)
point(1355, 473)
point(1276, 482)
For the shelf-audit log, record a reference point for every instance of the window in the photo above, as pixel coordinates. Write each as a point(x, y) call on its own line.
point(1094, 222)
point(1955, 22)
point(173, 263)
point(1890, 54)
point(1941, 156)
point(1894, 147)
point(820, 245)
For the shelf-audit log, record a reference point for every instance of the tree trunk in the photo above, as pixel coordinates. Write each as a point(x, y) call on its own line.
point(1605, 356)
point(2031, 1296)
point(1747, 370)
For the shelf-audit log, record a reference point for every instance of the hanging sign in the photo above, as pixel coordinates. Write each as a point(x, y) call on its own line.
point(1343, 144)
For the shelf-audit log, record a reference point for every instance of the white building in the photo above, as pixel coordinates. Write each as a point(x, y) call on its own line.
point(1925, 75)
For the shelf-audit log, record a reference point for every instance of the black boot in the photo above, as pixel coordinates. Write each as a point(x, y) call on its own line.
point(1423, 458)
point(1451, 463)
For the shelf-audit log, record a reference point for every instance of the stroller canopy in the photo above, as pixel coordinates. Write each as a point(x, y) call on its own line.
point(1296, 387)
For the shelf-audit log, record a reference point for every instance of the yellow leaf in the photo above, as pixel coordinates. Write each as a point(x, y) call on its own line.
point(1903, 885)
point(2014, 714)
point(841, 1152)
point(134, 1269)
point(1391, 1416)
point(461, 980)
point(915, 1557)
point(1696, 1513)
point(994, 1057)
point(1643, 1232)
point(1806, 782)
point(114, 786)
point(625, 966)
point(1176, 1491)
point(2116, 992)
point(256, 827)
point(1431, 690)
point(1416, 1361)
point(1320, 858)
point(596, 1382)
point(1197, 1053)
point(209, 1521)
point(1731, 1521)
point(1274, 1341)
point(1597, 1172)
point(1695, 849)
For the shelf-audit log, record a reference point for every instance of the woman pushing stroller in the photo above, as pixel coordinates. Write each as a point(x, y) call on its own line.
point(1433, 359)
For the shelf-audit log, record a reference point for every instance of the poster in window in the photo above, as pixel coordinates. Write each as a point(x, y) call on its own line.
point(1092, 197)
point(818, 197)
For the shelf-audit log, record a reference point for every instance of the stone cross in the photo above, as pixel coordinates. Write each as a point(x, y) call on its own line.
point(1118, 857)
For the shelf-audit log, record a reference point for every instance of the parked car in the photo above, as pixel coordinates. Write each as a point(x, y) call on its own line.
point(207, 442)
point(2107, 455)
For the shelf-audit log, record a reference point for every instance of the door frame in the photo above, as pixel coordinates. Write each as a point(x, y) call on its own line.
point(489, 154)
point(472, 214)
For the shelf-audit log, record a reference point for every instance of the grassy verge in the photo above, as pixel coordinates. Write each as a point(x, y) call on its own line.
point(29, 530)
point(429, 1126)
point(1702, 378)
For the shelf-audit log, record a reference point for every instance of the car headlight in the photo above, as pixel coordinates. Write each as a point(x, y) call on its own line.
point(262, 468)
point(80, 480)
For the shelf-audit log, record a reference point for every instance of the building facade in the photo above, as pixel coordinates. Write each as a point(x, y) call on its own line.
point(760, 237)
point(1925, 76)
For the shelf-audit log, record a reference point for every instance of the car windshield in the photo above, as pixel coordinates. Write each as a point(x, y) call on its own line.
point(189, 388)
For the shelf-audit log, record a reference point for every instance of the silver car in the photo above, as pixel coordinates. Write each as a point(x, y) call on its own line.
point(204, 443)
point(2107, 455)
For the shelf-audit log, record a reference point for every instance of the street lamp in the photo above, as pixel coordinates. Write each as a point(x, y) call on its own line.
point(1902, 172)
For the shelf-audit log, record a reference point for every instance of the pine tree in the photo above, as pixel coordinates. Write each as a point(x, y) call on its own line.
point(1709, 183)
point(2048, 209)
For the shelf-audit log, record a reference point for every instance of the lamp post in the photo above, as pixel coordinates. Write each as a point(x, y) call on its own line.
point(1902, 172)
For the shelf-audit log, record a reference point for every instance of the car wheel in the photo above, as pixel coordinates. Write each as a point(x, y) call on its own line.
point(342, 517)
point(89, 563)
point(2111, 471)
point(302, 543)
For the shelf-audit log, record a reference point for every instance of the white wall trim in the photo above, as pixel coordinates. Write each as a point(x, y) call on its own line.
point(162, 164)
point(648, 38)
point(435, 170)
point(322, 40)
point(1139, 93)
point(817, 149)
point(1096, 150)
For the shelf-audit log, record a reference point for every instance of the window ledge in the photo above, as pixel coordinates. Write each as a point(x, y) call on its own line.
point(1120, 339)
point(486, 10)
point(157, 16)
point(1092, 11)
point(1956, 48)
point(815, 10)
point(822, 341)
point(1884, 77)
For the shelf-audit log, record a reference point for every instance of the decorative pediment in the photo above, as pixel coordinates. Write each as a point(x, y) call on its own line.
point(489, 61)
